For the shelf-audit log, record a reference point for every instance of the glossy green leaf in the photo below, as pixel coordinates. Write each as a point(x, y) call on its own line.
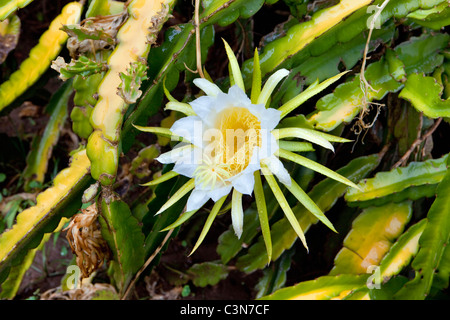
point(104, 7)
point(303, 34)
point(418, 179)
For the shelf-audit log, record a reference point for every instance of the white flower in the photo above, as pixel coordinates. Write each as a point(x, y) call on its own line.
point(229, 140)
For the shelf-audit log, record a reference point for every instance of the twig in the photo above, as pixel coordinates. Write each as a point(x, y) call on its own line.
point(416, 143)
point(366, 49)
point(146, 264)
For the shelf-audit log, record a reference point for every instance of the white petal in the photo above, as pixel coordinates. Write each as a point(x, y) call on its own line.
point(238, 96)
point(203, 106)
point(218, 193)
point(196, 199)
point(185, 169)
point(237, 213)
point(207, 87)
point(244, 183)
point(277, 168)
point(269, 145)
point(270, 118)
point(189, 128)
point(180, 151)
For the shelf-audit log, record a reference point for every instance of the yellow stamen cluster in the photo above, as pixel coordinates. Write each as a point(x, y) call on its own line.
point(240, 134)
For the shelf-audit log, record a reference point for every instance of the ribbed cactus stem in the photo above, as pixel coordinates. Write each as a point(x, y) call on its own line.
point(134, 40)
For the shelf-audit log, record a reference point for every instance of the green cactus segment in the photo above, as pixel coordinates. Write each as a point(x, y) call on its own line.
point(37, 162)
point(425, 93)
point(420, 54)
point(124, 236)
point(418, 179)
point(300, 35)
point(83, 67)
point(84, 100)
point(62, 199)
point(373, 233)
point(40, 56)
point(9, 6)
point(323, 288)
point(403, 250)
point(104, 7)
point(433, 18)
point(145, 19)
point(432, 262)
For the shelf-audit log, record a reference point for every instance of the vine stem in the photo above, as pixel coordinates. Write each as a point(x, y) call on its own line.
point(146, 264)
point(376, 16)
point(364, 84)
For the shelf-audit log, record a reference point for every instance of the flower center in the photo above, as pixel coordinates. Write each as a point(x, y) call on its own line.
point(237, 133)
point(240, 134)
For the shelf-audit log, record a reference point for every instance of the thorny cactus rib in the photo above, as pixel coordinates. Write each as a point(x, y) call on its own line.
point(133, 44)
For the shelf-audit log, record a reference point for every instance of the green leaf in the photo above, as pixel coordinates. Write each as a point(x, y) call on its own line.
point(433, 243)
point(425, 93)
point(373, 233)
point(122, 232)
point(418, 179)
